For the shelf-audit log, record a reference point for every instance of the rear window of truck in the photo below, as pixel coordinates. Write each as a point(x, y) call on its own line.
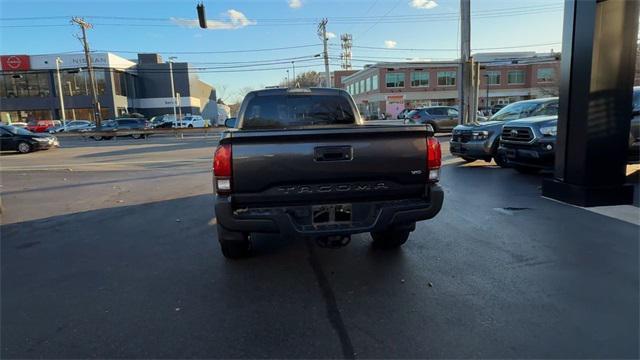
point(285, 111)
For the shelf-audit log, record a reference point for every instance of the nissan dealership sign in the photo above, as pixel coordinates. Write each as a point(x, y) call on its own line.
point(68, 61)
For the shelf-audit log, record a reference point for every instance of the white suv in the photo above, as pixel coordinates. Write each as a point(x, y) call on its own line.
point(191, 121)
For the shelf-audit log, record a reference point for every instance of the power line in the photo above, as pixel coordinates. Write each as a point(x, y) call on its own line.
point(452, 49)
point(214, 52)
point(383, 16)
point(310, 19)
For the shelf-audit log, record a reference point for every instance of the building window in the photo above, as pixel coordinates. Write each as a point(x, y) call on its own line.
point(446, 78)
point(493, 77)
point(77, 82)
point(395, 80)
point(24, 85)
point(546, 75)
point(367, 84)
point(419, 79)
point(120, 83)
point(374, 81)
point(515, 77)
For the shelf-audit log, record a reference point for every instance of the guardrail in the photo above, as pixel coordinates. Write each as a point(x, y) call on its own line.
point(178, 132)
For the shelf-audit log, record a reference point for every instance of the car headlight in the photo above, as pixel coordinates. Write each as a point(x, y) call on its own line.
point(549, 130)
point(479, 135)
point(41, 139)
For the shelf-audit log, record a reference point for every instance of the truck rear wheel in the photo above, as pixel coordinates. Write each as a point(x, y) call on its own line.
point(234, 245)
point(391, 238)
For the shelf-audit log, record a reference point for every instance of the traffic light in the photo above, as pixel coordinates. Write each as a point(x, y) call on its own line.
point(202, 17)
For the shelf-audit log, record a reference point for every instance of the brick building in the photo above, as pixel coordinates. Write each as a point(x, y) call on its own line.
point(391, 87)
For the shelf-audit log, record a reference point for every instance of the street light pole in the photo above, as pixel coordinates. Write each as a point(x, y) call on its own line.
point(173, 89)
point(288, 85)
point(486, 101)
point(60, 95)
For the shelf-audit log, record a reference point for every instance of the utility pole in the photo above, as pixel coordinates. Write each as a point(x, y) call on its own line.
point(94, 94)
point(322, 32)
point(60, 95)
point(293, 63)
point(465, 86)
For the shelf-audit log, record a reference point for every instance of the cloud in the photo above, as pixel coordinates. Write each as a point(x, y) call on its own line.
point(295, 4)
point(423, 4)
point(390, 44)
point(330, 35)
point(236, 20)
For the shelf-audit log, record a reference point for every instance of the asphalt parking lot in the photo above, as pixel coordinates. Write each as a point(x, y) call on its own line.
point(108, 249)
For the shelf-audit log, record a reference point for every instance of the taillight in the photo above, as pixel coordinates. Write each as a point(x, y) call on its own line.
point(222, 168)
point(415, 117)
point(434, 158)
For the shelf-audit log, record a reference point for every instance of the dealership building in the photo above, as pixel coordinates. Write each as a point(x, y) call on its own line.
point(29, 87)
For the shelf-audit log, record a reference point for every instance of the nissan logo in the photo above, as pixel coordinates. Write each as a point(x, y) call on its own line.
point(14, 62)
point(513, 132)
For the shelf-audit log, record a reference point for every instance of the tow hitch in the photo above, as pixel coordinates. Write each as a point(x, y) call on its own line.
point(333, 242)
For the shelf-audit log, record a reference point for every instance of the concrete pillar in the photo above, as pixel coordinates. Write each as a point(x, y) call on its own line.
point(598, 66)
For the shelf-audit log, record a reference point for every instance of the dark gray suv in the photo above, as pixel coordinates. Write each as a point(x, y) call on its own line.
point(441, 118)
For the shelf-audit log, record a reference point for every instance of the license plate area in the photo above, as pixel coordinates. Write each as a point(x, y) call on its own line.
point(331, 214)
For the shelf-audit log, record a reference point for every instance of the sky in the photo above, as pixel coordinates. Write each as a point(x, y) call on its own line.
point(242, 35)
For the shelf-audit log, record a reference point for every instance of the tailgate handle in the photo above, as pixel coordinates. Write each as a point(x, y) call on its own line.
point(333, 153)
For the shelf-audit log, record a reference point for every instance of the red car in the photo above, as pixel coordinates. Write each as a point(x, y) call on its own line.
point(39, 126)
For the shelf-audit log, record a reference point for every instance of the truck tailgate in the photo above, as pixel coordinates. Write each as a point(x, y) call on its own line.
point(328, 165)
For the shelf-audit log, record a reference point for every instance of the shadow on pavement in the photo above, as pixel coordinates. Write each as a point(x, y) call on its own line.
point(163, 147)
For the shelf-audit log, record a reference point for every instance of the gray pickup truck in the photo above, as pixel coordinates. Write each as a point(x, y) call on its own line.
point(301, 162)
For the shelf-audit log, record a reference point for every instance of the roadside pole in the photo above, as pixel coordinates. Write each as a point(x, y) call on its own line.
point(322, 32)
point(94, 94)
point(179, 112)
point(173, 90)
point(60, 95)
point(465, 68)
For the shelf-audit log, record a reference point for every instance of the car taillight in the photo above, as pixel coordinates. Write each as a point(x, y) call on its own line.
point(415, 117)
point(434, 158)
point(222, 168)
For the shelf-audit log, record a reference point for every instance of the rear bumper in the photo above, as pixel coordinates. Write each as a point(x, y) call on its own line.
point(536, 155)
point(295, 220)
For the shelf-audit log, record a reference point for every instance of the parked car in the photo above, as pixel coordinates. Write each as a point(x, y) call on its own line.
point(23, 140)
point(40, 126)
point(480, 141)
point(191, 121)
point(19, 124)
point(324, 178)
point(162, 121)
point(497, 107)
point(403, 113)
point(71, 126)
point(120, 124)
point(441, 118)
point(529, 144)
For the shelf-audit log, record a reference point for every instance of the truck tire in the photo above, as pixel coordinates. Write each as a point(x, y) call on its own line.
point(391, 238)
point(527, 170)
point(501, 160)
point(234, 245)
